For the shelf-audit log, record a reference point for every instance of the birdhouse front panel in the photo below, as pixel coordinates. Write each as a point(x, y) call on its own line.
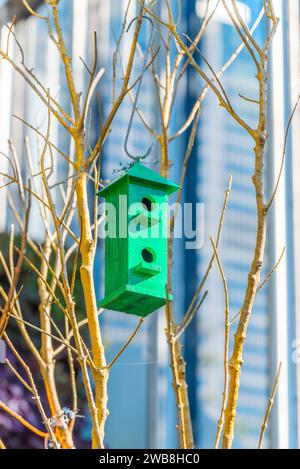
point(136, 250)
point(147, 245)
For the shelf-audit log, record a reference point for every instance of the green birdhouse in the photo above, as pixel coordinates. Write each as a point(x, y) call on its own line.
point(136, 234)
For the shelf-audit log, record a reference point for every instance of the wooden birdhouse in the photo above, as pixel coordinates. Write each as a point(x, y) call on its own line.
point(136, 241)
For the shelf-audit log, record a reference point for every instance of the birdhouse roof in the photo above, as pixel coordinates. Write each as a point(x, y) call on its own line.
point(140, 172)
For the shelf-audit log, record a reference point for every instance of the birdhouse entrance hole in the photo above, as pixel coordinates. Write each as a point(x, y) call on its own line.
point(147, 204)
point(147, 255)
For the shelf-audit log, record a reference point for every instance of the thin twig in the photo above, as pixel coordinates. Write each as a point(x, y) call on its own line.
point(210, 265)
point(269, 408)
point(272, 271)
point(188, 318)
point(35, 394)
point(32, 12)
point(226, 347)
point(268, 205)
point(16, 274)
point(126, 344)
point(24, 422)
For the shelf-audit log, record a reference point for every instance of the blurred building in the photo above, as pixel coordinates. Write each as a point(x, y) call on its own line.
point(223, 149)
point(142, 409)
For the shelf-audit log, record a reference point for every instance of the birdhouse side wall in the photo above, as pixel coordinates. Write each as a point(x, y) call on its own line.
point(116, 246)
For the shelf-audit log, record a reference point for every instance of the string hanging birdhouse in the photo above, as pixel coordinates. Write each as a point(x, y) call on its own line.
point(136, 257)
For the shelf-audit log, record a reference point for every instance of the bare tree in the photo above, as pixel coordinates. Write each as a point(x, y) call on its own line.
point(63, 250)
point(55, 284)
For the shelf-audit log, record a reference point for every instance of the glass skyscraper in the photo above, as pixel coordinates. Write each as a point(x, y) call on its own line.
point(223, 149)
